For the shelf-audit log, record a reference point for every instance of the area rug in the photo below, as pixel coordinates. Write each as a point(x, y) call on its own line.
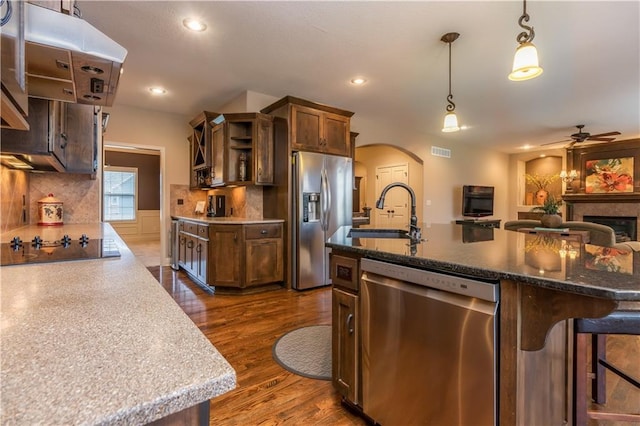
point(306, 351)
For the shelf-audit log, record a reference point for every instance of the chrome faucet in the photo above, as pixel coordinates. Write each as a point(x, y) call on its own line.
point(414, 231)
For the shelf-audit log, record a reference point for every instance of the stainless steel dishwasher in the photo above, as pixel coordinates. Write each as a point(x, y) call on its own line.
point(429, 347)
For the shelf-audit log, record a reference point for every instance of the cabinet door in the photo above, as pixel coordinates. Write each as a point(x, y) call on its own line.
point(217, 150)
point(335, 133)
point(306, 129)
point(80, 129)
point(201, 259)
point(182, 250)
point(264, 155)
point(190, 259)
point(345, 344)
point(264, 261)
point(225, 255)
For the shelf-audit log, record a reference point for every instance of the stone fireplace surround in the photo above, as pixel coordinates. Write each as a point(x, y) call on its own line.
point(581, 205)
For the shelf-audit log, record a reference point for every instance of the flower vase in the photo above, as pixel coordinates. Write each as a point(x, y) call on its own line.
point(541, 196)
point(551, 220)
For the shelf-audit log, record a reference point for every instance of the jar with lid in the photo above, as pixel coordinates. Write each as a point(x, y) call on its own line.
point(50, 211)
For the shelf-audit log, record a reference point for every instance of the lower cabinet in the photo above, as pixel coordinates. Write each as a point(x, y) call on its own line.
point(345, 341)
point(193, 248)
point(237, 256)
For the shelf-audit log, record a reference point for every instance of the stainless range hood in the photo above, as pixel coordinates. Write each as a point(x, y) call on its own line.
point(70, 60)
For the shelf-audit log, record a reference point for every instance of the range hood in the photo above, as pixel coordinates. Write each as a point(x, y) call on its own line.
point(69, 60)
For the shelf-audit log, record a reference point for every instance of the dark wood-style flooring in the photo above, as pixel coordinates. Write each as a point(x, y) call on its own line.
point(245, 327)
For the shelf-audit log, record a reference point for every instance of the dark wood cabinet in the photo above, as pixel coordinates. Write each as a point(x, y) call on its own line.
point(201, 149)
point(346, 371)
point(225, 255)
point(263, 254)
point(62, 137)
point(229, 255)
point(193, 247)
point(313, 126)
point(345, 343)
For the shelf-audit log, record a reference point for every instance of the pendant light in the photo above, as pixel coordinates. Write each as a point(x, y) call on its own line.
point(450, 120)
point(525, 61)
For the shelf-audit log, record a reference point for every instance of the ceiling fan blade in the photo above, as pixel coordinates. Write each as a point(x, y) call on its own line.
point(600, 139)
point(604, 134)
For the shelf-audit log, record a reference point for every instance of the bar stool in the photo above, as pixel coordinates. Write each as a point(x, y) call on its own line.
point(618, 322)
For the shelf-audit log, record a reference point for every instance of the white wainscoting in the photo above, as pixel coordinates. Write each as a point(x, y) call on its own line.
point(146, 227)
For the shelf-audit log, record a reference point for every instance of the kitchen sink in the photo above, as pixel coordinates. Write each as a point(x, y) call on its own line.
point(377, 233)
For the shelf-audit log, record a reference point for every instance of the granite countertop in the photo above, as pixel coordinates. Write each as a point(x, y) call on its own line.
point(541, 260)
point(227, 220)
point(98, 341)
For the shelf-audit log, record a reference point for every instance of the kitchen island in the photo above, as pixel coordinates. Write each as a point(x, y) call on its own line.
point(100, 342)
point(544, 282)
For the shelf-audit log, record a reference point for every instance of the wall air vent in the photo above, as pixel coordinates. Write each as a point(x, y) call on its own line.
point(440, 152)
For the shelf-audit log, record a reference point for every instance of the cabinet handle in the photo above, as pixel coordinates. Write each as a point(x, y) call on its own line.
point(199, 248)
point(263, 232)
point(349, 327)
point(64, 136)
point(259, 171)
point(182, 240)
point(190, 244)
point(235, 236)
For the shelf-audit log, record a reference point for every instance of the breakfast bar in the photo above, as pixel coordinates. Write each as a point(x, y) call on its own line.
point(543, 284)
point(100, 342)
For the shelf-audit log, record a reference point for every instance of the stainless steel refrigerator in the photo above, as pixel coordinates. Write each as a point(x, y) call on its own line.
point(322, 202)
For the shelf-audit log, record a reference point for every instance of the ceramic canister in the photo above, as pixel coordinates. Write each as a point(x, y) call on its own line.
point(50, 211)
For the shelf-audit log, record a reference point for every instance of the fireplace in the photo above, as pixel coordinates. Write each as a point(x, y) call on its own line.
point(624, 227)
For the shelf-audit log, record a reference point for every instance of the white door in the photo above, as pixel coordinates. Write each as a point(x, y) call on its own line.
point(395, 213)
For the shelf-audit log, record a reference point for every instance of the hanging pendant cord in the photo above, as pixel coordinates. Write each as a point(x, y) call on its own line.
point(451, 107)
point(527, 35)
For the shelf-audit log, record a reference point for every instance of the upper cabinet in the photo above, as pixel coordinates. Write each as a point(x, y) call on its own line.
point(314, 127)
point(231, 149)
point(250, 148)
point(13, 99)
point(202, 166)
point(63, 137)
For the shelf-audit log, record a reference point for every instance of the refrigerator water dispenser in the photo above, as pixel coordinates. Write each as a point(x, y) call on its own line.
point(310, 207)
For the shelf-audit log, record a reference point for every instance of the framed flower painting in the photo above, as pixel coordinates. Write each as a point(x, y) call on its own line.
point(608, 176)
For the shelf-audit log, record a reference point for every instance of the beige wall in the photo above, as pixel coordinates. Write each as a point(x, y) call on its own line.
point(129, 126)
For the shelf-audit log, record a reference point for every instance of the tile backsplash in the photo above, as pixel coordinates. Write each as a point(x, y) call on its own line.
point(245, 202)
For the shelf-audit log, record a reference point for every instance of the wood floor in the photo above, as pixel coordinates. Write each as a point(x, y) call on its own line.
point(244, 328)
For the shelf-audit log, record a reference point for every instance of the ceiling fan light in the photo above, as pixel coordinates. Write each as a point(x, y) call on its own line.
point(525, 63)
point(450, 123)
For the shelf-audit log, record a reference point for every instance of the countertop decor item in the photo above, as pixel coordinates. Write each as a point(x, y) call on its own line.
point(50, 211)
point(306, 351)
point(550, 208)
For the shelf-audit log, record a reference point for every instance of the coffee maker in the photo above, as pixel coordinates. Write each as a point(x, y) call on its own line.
point(216, 206)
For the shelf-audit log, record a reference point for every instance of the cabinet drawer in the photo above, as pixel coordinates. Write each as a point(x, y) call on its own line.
point(203, 231)
point(267, 230)
point(345, 272)
point(191, 228)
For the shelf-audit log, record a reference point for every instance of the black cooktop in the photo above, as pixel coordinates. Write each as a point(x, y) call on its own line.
point(19, 253)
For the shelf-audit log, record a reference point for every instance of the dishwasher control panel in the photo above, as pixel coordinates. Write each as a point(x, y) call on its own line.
point(451, 283)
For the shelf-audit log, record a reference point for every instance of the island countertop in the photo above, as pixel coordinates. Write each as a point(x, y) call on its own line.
point(539, 260)
point(227, 220)
point(98, 342)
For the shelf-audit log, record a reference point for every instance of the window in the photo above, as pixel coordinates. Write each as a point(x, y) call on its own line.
point(120, 188)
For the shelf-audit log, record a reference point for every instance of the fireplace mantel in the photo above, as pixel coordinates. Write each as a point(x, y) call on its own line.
point(601, 198)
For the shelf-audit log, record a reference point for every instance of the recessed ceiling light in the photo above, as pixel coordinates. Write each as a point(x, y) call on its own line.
point(157, 90)
point(194, 24)
point(358, 81)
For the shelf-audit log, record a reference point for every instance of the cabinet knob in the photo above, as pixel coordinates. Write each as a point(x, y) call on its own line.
point(263, 232)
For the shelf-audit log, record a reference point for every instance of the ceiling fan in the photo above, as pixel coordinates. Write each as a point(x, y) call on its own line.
point(581, 136)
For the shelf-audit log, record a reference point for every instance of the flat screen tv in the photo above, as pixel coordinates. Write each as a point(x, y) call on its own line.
point(477, 201)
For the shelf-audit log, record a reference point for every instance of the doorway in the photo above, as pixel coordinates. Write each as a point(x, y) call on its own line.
point(395, 212)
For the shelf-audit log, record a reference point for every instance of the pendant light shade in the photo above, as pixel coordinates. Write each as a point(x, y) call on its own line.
point(525, 61)
point(450, 123)
point(450, 120)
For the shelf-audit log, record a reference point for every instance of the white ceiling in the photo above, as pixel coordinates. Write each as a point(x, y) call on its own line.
point(590, 52)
